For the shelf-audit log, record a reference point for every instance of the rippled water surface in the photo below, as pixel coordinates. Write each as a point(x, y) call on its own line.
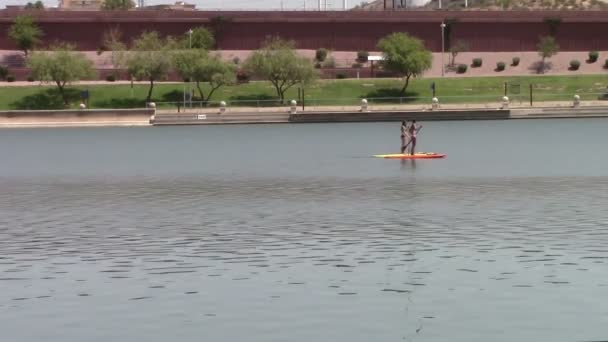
point(293, 233)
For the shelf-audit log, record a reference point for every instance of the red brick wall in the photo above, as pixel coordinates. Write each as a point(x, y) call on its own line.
point(348, 31)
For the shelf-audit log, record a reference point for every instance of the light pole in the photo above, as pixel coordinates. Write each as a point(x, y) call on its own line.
point(442, 48)
point(190, 46)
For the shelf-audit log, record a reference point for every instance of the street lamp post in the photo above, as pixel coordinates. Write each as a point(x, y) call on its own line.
point(442, 48)
point(190, 46)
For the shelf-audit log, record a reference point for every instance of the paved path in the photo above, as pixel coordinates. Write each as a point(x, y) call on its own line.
point(559, 64)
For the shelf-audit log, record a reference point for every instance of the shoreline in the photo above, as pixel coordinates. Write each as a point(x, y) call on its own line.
point(151, 117)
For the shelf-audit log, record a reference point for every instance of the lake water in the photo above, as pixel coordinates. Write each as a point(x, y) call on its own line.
point(293, 233)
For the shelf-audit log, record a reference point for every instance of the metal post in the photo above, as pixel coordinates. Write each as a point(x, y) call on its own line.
point(302, 99)
point(190, 46)
point(530, 94)
point(442, 47)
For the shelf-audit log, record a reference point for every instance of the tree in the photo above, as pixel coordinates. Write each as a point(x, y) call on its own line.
point(198, 66)
point(405, 56)
point(457, 48)
point(201, 39)
point(547, 47)
point(25, 33)
point(62, 66)
point(35, 5)
point(149, 58)
point(112, 5)
point(278, 62)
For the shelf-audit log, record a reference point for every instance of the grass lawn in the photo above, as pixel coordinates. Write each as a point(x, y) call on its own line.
point(325, 92)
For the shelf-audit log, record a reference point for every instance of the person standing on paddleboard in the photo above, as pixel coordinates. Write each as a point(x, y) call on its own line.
point(413, 131)
point(403, 136)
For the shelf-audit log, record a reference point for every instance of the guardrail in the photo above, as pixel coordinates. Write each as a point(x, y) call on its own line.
point(387, 103)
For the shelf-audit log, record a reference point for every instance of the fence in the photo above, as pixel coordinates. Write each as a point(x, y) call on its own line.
point(387, 103)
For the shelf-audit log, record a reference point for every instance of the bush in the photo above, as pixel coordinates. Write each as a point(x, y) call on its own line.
point(340, 75)
point(515, 61)
point(318, 65)
point(606, 64)
point(242, 76)
point(462, 68)
point(10, 78)
point(500, 66)
point(3, 72)
point(357, 65)
point(321, 55)
point(330, 62)
point(477, 62)
point(236, 60)
point(593, 56)
point(362, 56)
point(574, 64)
point(110, 78)
point(30, 78)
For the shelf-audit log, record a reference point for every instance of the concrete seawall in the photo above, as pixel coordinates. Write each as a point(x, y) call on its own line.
point(378, 115)
point(400, 115)
point(146, 117)
point(67, 118)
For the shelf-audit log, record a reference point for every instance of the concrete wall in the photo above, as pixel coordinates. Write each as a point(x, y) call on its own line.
point(75, 117)
point(399, 115)
point(340, 30)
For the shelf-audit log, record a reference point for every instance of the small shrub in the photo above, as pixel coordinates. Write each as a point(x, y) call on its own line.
point(515, 61)
point(593, 56)
point(236, 60)
point(340, 75)
point(362, 56)
point(10, 78)
point(110, 78)
point(30, 78)
point(242, 76)
point(100, 51)
point(500, 66)
point(574, 64)
point(462, 68)
point(357, 65)
point(318, 65)
point(477, 62)
point(321, 55)
point(330, 62)
point(606, 64)
point(3, 72)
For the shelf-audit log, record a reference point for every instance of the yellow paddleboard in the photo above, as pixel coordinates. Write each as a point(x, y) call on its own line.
point(421, 155)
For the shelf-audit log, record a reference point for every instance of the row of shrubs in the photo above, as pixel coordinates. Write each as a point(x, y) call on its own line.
point(500, 66)
point(6, 76)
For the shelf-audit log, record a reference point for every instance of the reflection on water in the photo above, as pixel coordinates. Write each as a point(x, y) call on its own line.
point(412, 253)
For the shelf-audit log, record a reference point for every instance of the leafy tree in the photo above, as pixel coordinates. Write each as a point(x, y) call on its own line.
point(112, 5)
point(35, 5)
point(278, 62)
point(62, 66)
point(149, 58)
point(201, 39)
point(405, 56)
point(547, 47)
point(198, 66)
point(25, 33)
point(457, 48)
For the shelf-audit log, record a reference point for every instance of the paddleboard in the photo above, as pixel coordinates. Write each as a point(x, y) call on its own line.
point(420, 155)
